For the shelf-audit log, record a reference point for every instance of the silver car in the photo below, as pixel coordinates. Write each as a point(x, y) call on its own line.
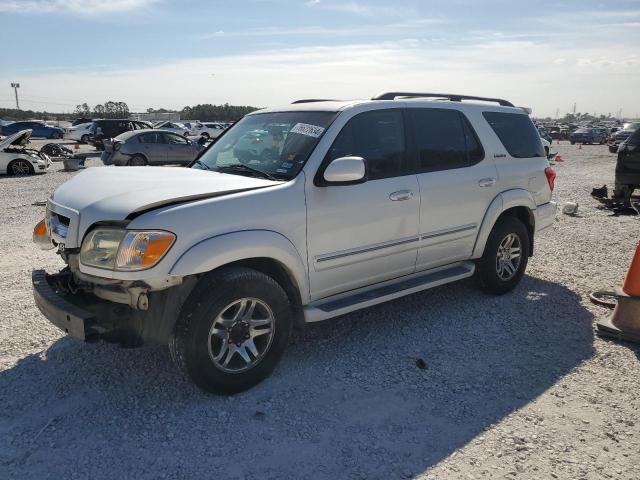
point(149, 147)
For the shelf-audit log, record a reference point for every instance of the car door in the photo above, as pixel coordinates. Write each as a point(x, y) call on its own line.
point(628, 164)
point(179, 149)
point(457, 183)
point(365, 233)
point(154, 147)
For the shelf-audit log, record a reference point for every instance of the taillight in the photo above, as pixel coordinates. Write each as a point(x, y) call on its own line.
point(551, 177)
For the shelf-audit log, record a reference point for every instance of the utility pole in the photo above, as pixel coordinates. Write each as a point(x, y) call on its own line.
point(15, 87)
point(574, 108)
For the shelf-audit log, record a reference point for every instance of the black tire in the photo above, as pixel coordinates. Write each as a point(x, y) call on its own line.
point(137, 161)
point(55, 136)
point(546, 151)
point(487, 267)
point(206, 136)
point(84, 139)
point(20, 167)
point(189, 343)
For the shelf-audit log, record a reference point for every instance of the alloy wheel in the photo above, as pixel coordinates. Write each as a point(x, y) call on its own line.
point(508, 257)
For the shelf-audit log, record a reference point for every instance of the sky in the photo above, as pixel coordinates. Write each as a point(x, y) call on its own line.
point(543, 54)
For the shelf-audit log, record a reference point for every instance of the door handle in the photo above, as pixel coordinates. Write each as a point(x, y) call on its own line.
point(487, 182)
point(400, 195)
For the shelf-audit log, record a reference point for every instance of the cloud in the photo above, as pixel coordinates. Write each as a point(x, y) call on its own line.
point(354, 8)
point(493, 68)
point(81, 7)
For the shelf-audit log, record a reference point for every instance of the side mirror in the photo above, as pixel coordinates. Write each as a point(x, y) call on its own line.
point(346, 170)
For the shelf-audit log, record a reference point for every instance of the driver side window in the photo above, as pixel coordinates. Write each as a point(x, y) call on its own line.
point(376, 136)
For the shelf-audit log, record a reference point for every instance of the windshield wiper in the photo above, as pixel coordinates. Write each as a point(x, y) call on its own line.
point(202, 164)
point(245, 168)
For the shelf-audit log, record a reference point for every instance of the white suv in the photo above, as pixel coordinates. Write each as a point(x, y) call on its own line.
point(349, 205)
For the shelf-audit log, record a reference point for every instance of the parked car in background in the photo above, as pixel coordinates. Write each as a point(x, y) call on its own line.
point(17, 159)
point(110, 128)
point(628, 166)
point(208, 130)
point(38, 129)
point(149, 147)
point(172, 127)
point(79, 133)
point(80, 121)
point(588, 136)
point(222, 260)
point(621, 135)
point(544, 133)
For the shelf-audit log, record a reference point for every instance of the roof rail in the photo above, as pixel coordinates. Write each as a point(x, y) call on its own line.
point(314, 100)
point(451, 96)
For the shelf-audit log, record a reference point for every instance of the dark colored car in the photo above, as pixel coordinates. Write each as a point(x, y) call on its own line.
point(80, 121)
point(621, 135)
point(628, 166)
point(544, 133)
point(110, 128)
point(149, 147)
point(588, 135)
point(38, 129)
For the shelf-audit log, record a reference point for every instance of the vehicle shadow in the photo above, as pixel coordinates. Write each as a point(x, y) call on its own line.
point(347, 401)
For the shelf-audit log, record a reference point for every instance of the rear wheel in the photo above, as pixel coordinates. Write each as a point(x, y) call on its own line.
point(84, 139)
point(205, 135)
point(20, 167)
point(137, 161)
point(232, 330)
point(505, 256)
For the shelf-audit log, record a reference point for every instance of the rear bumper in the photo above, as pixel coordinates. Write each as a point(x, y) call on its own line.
point(545, 215)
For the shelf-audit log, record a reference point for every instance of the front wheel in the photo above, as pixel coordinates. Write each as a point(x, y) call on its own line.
point(19, 168)
point(505, 256)
point(232, 331)
point(84, 139)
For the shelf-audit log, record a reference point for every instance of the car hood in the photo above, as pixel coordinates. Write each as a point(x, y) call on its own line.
point(115, 193)
point(20, 138)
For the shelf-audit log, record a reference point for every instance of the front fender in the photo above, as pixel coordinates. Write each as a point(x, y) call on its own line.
point(223, 249)
point(516, 197)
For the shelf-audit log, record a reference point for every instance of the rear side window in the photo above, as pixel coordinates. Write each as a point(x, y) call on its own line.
point(444, 139)
point(517, 134)
point(376, 136)
point(151, 137)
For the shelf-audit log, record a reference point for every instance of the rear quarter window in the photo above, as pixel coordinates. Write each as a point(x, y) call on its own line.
point(517, 133)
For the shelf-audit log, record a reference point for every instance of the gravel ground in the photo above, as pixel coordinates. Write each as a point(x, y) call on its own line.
point(514, 387)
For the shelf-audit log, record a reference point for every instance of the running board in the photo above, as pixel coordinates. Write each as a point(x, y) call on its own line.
point(383, 292)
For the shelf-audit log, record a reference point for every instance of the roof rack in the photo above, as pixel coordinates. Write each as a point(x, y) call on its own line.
point(450, 96)
point(314, 100)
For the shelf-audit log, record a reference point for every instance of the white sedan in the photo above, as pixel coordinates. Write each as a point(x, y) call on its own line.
point(79, 133)
point(16, 159)
point(208, 130)
point(172, 127)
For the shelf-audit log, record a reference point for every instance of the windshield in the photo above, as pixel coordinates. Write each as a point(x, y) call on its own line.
point(274, 144)
point(631, 126)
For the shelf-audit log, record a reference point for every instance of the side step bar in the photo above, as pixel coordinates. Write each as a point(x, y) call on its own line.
point(385, 291)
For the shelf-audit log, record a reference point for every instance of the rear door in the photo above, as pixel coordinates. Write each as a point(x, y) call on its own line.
point(457, 183)
point(153, 146)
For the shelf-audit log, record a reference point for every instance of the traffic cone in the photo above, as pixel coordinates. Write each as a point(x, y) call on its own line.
point(579, 146)
point(558, 142)
point(558, 158)
point(624, 322)
point(77, 146)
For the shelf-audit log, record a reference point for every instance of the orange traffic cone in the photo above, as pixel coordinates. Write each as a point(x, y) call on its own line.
point(579, 146)
point(624, 323)
point(77, 146)
point(558, 158)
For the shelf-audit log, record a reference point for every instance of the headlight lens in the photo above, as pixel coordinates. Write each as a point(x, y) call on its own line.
point(118, 249)
point(100, 247)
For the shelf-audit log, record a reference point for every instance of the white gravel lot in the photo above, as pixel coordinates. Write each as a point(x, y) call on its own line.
point(515, 386)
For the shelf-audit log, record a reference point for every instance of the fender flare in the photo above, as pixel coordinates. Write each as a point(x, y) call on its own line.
point(220, 250)
point(517, 197)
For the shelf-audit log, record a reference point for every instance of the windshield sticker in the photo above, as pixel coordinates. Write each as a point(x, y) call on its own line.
point(282, 170)
point(286, 165)
point(308, 130)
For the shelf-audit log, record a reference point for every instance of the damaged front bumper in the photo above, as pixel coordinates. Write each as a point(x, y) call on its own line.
point(87, 316)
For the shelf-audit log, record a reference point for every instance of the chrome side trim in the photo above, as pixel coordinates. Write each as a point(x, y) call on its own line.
point(462, 228)
point(373, 248)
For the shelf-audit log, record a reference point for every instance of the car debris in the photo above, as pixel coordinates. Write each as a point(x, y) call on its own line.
point(570, 208)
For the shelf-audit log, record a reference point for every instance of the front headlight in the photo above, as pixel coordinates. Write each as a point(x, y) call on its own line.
point(122, 250)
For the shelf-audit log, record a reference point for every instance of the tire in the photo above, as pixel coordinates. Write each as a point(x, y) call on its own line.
point(55, 135)
point(546, 151)
point(19, 167)
point(194, 348)
point(84, 139)
point(573, 143)
point(137, 161)
point(488, 272)
point(206, 136)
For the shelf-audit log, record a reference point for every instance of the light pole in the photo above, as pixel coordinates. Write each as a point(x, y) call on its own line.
point(15, 87)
